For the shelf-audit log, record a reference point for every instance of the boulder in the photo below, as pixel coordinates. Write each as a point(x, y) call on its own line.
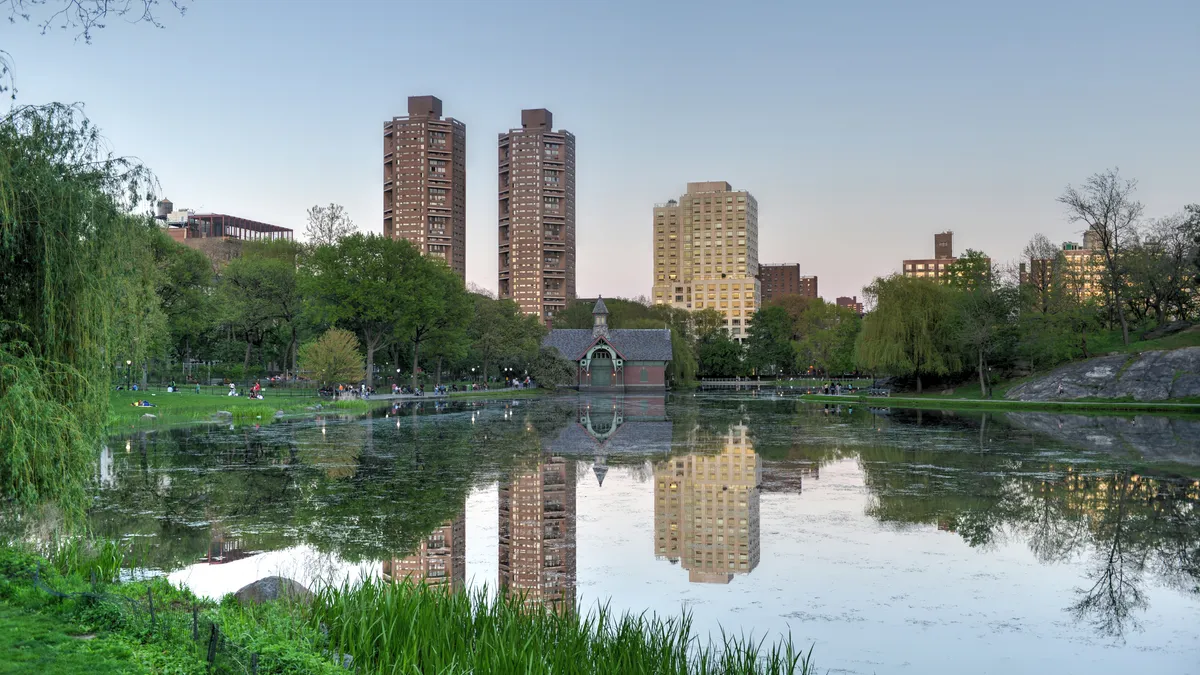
point(1149, 376)
point(273, 588)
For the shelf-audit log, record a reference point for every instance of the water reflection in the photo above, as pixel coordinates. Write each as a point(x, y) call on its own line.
point(727, 480)
point(706, 510)
point(440, 559)
point(537, 534)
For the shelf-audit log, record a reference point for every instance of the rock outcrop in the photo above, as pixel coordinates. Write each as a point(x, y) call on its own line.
point(273, 588)
point(1149, 376)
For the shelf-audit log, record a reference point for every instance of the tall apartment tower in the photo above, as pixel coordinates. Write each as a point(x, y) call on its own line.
point(537, 534)
point(706, 253)
point(425, 181)
point(537, 215)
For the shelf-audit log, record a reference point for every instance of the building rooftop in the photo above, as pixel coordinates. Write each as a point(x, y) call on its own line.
point(632, 344)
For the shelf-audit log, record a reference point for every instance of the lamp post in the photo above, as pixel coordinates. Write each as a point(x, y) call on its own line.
point(128, 374)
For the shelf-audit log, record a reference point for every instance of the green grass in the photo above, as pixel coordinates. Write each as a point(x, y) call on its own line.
point(185, 407)
point(32, 642)
point(404, 628)
point(385, 627)
point(1106, 342)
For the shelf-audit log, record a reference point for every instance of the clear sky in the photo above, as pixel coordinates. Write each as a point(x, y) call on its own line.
point(861, 127)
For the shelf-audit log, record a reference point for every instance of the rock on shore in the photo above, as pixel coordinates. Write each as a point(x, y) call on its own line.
point(1149, 376)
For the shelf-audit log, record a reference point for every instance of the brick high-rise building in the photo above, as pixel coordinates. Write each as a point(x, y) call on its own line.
point(785, 279)
point(706, 253)
point(850, 303)
point(425, 182)
point(935, 267)
point(440, 559)
point(698, 496)
point(537, 215)
point(537, 534)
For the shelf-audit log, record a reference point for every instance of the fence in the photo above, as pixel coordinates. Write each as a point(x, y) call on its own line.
point(151, 618)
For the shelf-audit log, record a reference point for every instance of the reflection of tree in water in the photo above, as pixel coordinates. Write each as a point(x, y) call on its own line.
point(988, 485)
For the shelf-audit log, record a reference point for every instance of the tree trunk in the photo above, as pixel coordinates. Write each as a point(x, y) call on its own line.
point(918, 383)
point(983, 385)
point(370, 376)
point(145, 373)
point(486, 363)
point(416, 354)
point(246, 361)
point(438, 380)
point(292, 351)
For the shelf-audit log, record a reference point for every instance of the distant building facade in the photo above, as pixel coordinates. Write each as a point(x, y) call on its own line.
point(1080, 269)
point(706, 253)
point(850, 303)
point(440, 558)
point(537, 534)
point(785, 279)
point(706, 510)
point(425, 182)
point(216, 235)
point(938, 267)
point(537, 215)
point(614, 359)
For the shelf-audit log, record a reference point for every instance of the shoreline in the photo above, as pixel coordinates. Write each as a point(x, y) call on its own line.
point(1004, 405)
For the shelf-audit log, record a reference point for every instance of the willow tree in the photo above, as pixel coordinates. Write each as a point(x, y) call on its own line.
point(910, 331)
point(65, 229)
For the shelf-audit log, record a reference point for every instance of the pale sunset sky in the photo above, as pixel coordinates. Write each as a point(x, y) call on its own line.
point(861, 127)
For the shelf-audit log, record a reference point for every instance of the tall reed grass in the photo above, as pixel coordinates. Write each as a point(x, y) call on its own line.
point(412, 628)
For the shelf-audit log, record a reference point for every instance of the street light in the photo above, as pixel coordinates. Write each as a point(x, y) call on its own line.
point(128, 374)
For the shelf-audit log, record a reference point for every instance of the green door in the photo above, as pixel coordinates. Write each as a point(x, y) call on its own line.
point(602, 373)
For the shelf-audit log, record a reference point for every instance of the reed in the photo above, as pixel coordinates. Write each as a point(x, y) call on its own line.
point(413, 628)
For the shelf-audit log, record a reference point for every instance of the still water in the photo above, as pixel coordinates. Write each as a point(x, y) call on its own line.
point(894, 541)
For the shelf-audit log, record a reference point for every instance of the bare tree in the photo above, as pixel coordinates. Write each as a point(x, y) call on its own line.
point(1105, 204)
point(1161, 267)
point(327, 225)
point(1040, 258)
point(84, 15)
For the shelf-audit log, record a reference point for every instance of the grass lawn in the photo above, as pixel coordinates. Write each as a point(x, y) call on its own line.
point(183, 407)
point(47, 644)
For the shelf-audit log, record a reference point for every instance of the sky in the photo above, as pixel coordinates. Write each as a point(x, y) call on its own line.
point(862, 128)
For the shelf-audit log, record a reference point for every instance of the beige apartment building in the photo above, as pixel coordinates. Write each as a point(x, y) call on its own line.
point(537, 215)
point(706, 510)
point(706, 253)
point(1080, 268)
point(440, 558)
point(425, 182)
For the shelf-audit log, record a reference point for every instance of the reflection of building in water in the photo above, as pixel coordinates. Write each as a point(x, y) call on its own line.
point(223, 548)
point(706, 510)
point(537, 534)
point(615, 425)
point(441, 558)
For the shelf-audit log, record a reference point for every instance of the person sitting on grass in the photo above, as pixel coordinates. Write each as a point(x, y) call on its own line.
point(143, 404)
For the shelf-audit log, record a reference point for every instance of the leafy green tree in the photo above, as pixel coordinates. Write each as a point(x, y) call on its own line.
point(768, 345)
point(333, 357)
point(438, 305)
point(363, 283)
point(185, 293)
point(550, 370)
point(707, 322)
point(984, 325)
point(1160, 267)
point(66, 243)
point(498, 331)
point(972, 269)
point(719, 356)
point(911, 329)
point(826, 335)
point(258, 292)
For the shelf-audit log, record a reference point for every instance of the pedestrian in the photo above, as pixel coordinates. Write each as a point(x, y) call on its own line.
point(1060, 387)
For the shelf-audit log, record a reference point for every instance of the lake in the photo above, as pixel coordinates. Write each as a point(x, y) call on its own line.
point(895, 541)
